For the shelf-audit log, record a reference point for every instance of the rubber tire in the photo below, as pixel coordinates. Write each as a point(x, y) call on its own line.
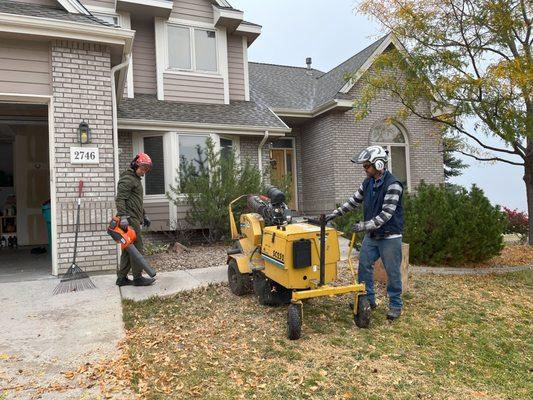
point(268, 292)
point(362, 318)
point(294, 321)
point(239, 284)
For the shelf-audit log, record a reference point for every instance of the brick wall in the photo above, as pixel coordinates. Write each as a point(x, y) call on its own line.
point(81, 85)
point(125, 150)
point(327, 144)
point(248, 150)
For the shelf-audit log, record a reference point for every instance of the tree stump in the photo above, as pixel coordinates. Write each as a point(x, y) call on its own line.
point(380, 275)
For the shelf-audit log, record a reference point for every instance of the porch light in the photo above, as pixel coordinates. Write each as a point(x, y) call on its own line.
point(84, 133)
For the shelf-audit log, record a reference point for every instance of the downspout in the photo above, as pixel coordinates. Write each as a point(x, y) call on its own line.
point(114, 105)
point(260, 152)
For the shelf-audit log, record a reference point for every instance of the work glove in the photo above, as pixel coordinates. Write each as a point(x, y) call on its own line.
point(124, 223)
point(358, 227)
point(331, 217)
point(146, 222)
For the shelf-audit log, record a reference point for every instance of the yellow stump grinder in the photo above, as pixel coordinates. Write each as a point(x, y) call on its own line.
point(284, 262)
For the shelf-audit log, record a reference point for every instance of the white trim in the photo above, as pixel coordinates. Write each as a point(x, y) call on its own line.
point(191, 23)
point(246, 71)
point(330, 105)
point(173, 161)
point(236, 144)
point(139, 147)
point(251, 29)
point(192, 73)
point(222, 57)
point(125, 22)
point(49, 101)
point(366, 65)
point(27, 25)
point(151, 3)
point(72, 6)
point(126, 123)
point(235, 15)
point(160, 54)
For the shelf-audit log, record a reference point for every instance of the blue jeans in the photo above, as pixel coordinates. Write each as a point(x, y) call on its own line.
point(390, 252)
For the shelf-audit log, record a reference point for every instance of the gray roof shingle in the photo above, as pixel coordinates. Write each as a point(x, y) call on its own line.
point(241, 113)
point(280, 86)
point(42, 11)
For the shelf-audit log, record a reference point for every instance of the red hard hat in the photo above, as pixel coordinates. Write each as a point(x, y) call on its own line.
point(142, 159)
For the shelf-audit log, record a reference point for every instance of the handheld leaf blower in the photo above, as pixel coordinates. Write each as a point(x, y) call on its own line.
point(126, 240)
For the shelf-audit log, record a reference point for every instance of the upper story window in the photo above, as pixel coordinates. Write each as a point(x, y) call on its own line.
point(192, 49)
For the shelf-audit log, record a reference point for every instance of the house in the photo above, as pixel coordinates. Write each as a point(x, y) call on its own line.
point(86, 84)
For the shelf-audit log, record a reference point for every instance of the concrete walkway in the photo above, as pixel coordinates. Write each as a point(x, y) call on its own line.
point(169, 283)
point(42, 335)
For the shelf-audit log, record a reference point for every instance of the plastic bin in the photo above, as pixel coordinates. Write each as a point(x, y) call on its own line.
point(47, 214)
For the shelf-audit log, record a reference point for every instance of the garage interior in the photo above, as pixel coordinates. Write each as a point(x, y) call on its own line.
point(24, 190)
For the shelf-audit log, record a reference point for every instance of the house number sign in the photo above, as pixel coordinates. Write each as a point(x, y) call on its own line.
point(84, 155)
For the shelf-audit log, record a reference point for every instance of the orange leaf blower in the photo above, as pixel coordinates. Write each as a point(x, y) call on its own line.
point(126, 240)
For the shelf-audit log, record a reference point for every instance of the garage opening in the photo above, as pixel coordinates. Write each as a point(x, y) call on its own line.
point(25, 253)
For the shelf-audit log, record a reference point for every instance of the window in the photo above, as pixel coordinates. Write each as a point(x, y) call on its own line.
point(226, 147)
point(391, 137)
point(109, 18)
point(192, 49)
point(154, 182)
point(192, 151)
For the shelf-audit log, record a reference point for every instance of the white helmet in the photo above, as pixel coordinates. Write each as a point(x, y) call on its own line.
point(376, 155)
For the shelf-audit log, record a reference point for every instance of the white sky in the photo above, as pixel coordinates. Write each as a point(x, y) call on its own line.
point(330, 32)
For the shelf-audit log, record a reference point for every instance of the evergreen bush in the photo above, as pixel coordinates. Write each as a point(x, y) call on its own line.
point(208, 183)
point(451, 227)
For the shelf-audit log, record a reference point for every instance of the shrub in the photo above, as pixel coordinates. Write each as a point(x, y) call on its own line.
point(516, 222)
point(451, 227)
point(209, 183)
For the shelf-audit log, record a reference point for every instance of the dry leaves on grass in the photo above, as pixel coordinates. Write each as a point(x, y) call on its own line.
point(516, 254)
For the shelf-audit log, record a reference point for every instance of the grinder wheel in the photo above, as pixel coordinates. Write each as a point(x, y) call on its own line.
point(239, 284)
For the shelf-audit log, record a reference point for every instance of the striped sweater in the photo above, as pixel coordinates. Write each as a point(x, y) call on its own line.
point(392, 197)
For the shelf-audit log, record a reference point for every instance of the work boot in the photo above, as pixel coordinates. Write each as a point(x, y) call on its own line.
point(142, 281)
point(124, 281)
point(394, 313)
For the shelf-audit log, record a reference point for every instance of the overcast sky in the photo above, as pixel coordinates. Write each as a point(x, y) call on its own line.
point(330, 32)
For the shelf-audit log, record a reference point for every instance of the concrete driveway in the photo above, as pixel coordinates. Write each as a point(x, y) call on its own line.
point(42, 335)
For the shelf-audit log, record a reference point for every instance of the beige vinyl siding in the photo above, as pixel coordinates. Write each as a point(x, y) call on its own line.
point(51, 3)
point(144, 68)
point(195, 89)
point(236, 68)
point(196, 10)
point(99, 3)
point(159, 214)
point(25, 67)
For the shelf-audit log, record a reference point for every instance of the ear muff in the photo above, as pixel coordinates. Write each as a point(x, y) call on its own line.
point(379, 164)
point(133, 164)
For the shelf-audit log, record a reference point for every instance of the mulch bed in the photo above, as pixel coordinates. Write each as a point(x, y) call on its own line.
point(197, 257)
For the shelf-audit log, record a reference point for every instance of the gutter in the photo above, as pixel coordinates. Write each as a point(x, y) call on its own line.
point(114, 109)
point(260, 151)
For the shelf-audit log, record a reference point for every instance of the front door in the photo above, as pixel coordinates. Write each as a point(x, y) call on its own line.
point(283, 166)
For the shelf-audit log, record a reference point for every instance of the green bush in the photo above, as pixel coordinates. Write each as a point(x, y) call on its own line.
point(209, 183)
point(451, 227)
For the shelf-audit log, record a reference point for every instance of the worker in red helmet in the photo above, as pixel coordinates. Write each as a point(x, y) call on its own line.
point(129, 202)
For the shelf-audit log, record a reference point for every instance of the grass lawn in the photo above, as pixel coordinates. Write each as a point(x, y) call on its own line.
point(459, 338)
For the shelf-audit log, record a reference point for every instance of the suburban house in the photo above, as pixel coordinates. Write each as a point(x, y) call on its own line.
point(86, 84)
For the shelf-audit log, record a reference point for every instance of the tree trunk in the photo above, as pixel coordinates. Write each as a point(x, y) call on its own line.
point(528, 179)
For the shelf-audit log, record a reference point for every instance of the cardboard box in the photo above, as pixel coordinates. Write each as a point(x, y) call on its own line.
point(381, 276)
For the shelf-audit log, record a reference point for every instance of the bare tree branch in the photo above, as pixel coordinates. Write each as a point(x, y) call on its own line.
point(490, 159)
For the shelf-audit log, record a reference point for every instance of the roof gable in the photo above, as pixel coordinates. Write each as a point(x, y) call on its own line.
point(286, 87)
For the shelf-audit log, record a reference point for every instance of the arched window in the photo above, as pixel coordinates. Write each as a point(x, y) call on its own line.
point(391, 137)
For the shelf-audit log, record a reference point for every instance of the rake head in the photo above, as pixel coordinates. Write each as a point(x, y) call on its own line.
point(74, 280)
